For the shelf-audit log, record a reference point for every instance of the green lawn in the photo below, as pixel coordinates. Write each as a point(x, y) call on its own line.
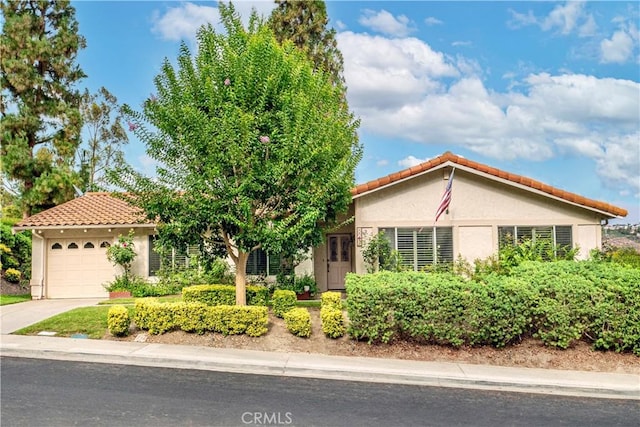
point(12, 299)
point(91, 321)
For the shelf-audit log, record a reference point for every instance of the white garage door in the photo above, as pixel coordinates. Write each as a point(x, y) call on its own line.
point(78, 268)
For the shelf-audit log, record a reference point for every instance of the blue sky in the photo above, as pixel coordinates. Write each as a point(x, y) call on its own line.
point(549, 90)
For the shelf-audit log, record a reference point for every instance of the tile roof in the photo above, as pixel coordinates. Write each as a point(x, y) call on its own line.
point(89, 209)
point(518, 179)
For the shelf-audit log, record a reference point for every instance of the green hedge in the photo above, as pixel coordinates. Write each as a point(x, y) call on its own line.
point(558, 302)
point(331, 314)
point(224, 294)
point(197, 317)
point(282, 301)
point(298, 321)
point(118, 320)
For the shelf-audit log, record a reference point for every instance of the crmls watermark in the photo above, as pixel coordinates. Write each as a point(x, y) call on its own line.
point(267, 418)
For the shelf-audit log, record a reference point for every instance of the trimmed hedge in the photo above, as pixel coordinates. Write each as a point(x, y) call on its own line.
point(331, 314)
point(557, 302)
point(159, 318)
point(282, 301)
point(118, 320)
point(224, 294)
point(298, 321)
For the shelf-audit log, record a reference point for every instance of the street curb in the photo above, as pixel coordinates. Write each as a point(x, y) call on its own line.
point(288, 364)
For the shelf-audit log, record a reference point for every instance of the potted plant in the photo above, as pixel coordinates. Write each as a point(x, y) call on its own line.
point(305, 287)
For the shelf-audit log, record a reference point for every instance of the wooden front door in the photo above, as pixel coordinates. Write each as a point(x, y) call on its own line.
point(338, 260)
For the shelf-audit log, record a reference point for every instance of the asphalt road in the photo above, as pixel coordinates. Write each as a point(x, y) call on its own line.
point(56, 393)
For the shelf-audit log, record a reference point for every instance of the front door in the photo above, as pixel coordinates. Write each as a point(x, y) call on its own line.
point(338, 260)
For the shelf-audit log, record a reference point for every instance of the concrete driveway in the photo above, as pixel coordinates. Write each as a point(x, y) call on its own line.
point(17, 316)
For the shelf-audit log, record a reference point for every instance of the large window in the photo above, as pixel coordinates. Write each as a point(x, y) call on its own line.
point(172, 259)
point(419, 247)
point(260, 263)
point(559, 235)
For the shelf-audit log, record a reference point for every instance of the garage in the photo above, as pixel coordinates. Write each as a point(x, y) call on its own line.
point(78, 268)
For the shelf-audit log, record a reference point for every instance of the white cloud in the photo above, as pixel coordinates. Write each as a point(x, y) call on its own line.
point(182, 22)
point(387, 73)
point(462, 43)
point(619, 48)
point(385, 23)
point(411, 161)
point(403, 89)
point(382, 162)
point(564, 19)
point(432, 21)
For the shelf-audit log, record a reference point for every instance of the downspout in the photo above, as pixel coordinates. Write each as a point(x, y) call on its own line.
point(42, 264)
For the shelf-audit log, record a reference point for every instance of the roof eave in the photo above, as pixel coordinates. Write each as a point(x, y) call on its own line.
point(80, 227)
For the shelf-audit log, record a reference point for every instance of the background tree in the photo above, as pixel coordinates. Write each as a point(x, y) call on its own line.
point(105, 137)
point(40, 118)
point(305, 24)
point(253, 145)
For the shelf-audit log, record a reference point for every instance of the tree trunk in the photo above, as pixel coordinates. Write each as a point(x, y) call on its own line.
point(241, 278)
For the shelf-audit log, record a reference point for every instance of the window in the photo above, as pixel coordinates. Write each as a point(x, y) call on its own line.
point(72, 245)
point(105, 245)
point(173, 259)
point(88, 245)
point(420, 247)
point(261, 263)
point(154, 257)
point(56, 246)
point(559, 235)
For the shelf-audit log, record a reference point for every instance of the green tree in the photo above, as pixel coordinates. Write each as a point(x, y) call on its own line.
point(305, 24)
point(105, 137)
point(40, 118)
point(253, 146)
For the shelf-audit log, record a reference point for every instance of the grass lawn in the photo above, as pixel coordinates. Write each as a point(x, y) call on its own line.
point(12, 299)
point(91, 321)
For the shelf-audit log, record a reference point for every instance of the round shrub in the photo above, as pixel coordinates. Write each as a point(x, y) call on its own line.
point(12, 275)
point(332, 322)
point(283, 301)
point(118, 320)
point(298, 321)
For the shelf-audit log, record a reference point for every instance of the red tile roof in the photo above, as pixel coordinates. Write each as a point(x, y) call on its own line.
point(90, 209)
point(518, 179)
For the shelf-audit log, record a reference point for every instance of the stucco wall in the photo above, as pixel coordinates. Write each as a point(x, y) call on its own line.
point(479, 206)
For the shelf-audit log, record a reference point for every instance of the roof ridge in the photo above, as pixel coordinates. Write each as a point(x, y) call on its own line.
point(448, 156)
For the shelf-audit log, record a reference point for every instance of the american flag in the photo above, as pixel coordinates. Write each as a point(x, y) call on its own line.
point(446, 198)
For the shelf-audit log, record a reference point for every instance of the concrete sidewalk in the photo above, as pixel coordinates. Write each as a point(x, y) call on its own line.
point(547, 381)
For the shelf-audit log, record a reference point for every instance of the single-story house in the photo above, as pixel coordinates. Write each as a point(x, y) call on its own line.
point(487, 205)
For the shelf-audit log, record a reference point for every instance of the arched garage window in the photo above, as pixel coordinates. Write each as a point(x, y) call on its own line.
point(56, 246)
point(72, 245)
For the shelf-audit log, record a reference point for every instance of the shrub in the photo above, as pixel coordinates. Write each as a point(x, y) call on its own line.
point(12, 275)
point(282, 301)
point(332, 321)
point(118, 320)
point(224, 294)
point(122, 253)
point(196, 317)
point(298, 321)
point(331, 299)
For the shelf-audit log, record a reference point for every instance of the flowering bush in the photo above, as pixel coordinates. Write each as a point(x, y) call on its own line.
point(12, 275)
point(123, 253)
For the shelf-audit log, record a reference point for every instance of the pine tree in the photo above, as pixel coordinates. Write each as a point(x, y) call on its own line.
point(305, 24)
point(40, 117)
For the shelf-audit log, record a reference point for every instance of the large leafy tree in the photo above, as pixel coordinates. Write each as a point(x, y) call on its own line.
point(40, 118)
point(305, 24)
point(254, 146)
point(105, 136)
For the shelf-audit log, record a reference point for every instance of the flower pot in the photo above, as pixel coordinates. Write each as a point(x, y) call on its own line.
point(119, 294)
point(304, 296)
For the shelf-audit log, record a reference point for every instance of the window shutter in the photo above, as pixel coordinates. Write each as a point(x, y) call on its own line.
point(564, 239)
point(444, 244)
point(406, 245)
point(154, 257)
point(524, 233)
point(424, 248)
